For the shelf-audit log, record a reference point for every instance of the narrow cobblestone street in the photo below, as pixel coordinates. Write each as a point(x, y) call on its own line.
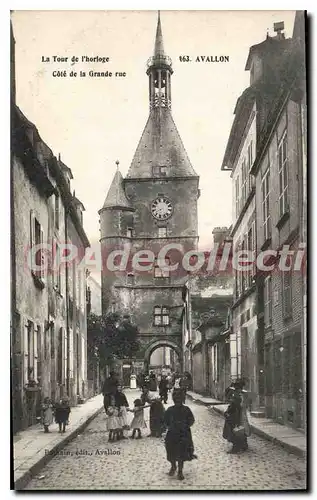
point(89, 462)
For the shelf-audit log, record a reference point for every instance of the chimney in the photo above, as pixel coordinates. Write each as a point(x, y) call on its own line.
point(219, 234)
point(278, 28)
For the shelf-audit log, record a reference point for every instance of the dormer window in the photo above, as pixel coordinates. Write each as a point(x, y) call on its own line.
point(163, 171)
point(160, 171)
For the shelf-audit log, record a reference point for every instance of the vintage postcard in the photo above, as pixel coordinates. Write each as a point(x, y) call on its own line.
point(158, 250)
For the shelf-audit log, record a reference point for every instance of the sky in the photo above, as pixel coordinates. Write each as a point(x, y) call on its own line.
point(92, 122)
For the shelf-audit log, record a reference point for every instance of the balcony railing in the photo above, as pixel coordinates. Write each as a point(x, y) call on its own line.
point(160, 60)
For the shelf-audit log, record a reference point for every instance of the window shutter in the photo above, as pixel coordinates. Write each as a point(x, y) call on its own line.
point(53, 261)
point(26, 340)
point(35, 342)
point(35, 353)
point(253, 227)
point(26, 353)
point(56, 211)
point(60, 357)
point(42, 255)
point(71, 353)
point(65, 355)
point(32, 233)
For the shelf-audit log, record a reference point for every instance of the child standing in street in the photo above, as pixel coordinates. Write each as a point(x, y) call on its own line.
point(113, 423)
point(138, 421)
point(47, 413)
point(62, 412)
point(178, 440)
point(122, 405)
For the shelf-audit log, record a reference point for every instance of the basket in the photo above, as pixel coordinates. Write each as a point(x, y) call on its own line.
point(239, 432)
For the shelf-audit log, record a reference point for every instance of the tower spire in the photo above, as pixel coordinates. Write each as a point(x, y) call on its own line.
point(116, 197)
point(159, 45)
point(159, 71)
point(160, 152)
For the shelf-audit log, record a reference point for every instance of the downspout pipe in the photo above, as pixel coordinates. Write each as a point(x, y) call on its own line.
point(14, 382)
point(67, 306)
point(303, 235)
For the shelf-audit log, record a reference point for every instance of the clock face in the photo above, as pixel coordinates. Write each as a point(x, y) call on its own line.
point(161, 208)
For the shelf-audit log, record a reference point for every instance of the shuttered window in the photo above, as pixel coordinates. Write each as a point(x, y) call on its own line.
point(283, 174)
point(268, 301)
point(266, 218)
point(37, 247)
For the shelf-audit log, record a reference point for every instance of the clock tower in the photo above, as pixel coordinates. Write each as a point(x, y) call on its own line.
point(154, 208)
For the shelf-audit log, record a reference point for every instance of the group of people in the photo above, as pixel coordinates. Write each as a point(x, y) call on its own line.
point(116, 406)
point(60, 411)
point(175, 422)
point(165, 384)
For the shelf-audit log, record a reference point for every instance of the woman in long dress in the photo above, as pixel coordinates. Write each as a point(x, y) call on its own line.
point(236, 427)
point(178, 441)
point(47, 413)
point(163, 389)
point(153, 383)
point(156, 412)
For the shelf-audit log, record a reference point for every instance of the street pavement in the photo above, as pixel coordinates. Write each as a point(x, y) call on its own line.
point(91, 463)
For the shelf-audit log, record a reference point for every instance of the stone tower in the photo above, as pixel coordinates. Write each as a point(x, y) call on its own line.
point(153, 206)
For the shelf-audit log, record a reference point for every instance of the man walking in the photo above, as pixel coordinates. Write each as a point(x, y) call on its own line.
point(109, 388)
point(163, 389)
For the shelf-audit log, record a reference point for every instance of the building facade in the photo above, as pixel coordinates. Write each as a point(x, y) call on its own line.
point(266, 156)
point(209, 344)
point(154, 205)
point(281, 204)
point(43, 213)
point(207, 302)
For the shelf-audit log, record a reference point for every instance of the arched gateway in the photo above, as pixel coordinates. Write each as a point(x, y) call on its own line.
point(155, 344)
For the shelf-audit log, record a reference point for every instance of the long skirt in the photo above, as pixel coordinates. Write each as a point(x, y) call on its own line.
point(156, 418)
point(123, 418)
point(153, 385)
point(239, 441)
point(113, 422)
point(179, 445)
point(106, 401)
point(138, 421)
point(47, 417)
